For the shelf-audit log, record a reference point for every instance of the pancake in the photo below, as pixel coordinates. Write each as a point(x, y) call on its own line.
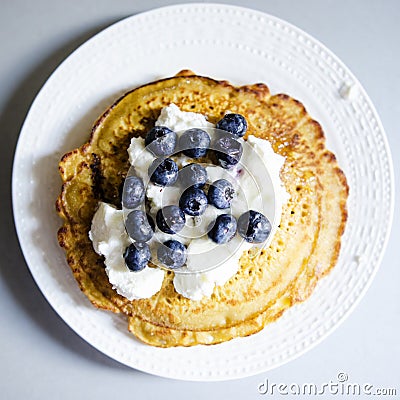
point(304, 249)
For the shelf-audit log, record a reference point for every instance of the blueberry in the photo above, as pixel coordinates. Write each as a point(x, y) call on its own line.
point(161, 141)
point(137, 255)
point(163, 172)
point(139, 225)
point(133, 192)
point(193, 175)
point(170, 219)
point(221, 193)
point(193, 201)
point(223, 230)
point(233, 123)
point(227, 150)
point(254, 227)
point(172, 254)
point(194, 143)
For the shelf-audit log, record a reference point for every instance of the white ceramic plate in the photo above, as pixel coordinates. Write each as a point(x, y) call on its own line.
point(224, 42)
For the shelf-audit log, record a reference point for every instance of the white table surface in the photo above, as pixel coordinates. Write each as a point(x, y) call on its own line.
point(41, 357)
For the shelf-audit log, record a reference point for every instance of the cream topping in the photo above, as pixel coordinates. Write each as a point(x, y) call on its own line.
point(257, 185)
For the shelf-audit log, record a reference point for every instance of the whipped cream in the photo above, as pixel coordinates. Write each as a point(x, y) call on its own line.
point(110, 240)
point(257, 186)
point(175, 119)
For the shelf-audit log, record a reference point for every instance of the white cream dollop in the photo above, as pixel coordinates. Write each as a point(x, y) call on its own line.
point(110, 240)
point(175, 119)
point(140, 158)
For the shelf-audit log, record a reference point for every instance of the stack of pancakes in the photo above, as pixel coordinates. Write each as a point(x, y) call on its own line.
point(304, 249)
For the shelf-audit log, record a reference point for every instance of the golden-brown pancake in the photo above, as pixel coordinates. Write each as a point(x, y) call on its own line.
point(303, 250)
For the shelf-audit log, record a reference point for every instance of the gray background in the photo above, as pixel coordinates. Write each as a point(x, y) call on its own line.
point(41, 357)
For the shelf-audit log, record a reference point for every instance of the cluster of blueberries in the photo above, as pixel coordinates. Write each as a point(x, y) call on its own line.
point(253, 226)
